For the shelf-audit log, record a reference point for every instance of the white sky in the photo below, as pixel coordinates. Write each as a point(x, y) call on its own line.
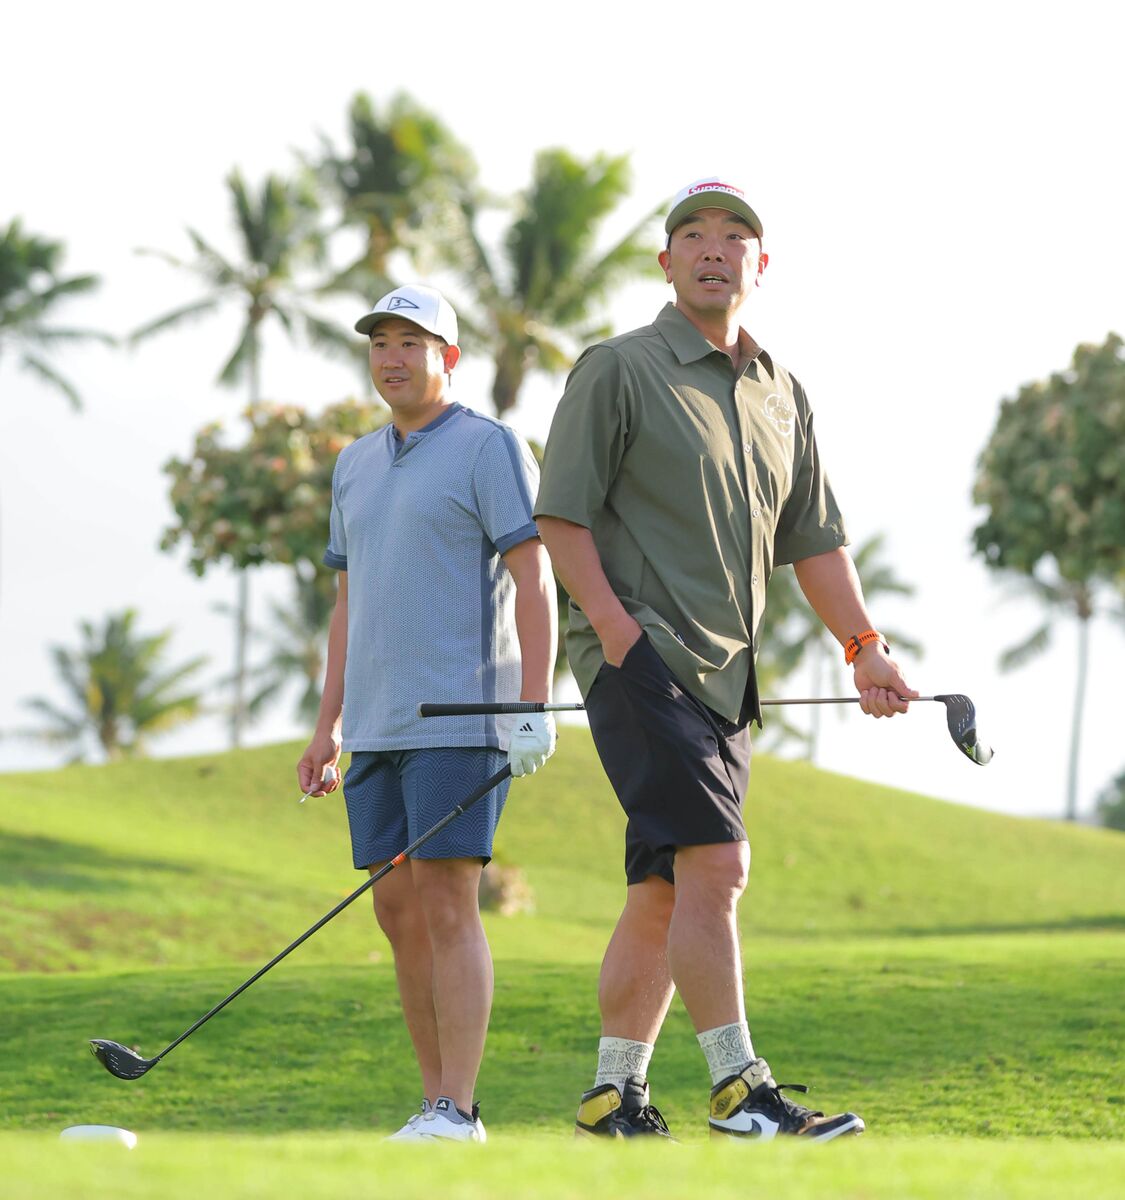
point(942, 202)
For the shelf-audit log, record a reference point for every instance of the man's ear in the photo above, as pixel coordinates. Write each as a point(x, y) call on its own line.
point(664, 258)
point(451, 358)
point(763, 262)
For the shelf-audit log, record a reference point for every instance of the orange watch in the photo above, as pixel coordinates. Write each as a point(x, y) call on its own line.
point(857, 641)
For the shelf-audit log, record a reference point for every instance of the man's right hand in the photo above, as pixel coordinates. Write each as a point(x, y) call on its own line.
point(323, 751)
point(620, 639)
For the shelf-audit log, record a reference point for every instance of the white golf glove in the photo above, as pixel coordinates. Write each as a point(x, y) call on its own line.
point(532, 743)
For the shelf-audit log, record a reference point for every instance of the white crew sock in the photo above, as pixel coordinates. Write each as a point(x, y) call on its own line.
point(619, 1057)
point(727, 1049)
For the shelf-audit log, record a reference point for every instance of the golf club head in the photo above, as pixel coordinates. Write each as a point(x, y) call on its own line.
point(120, 1060)
point(961, 717)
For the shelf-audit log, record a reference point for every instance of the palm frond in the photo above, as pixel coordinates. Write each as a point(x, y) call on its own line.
point(235, 366)
point(178, 316)
point(1023, 652)
point(48, 374)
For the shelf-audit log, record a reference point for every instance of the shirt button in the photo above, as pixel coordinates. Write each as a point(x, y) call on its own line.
point(746, 447)
point(755, 512)
point(754, 579)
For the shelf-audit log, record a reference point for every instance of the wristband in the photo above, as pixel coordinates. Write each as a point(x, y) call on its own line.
point(857, 641)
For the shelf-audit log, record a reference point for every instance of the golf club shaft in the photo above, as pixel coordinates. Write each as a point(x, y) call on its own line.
point(532, 706)
point(483, 790)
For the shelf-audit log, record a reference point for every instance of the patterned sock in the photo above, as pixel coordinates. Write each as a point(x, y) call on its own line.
point(619, 1057)
point(727, 1049)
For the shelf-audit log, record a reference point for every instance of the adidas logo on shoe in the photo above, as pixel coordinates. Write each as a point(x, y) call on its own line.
point(446, 1122)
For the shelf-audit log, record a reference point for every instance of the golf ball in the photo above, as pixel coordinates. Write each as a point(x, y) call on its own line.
point(99, 1133)
point(329, 775)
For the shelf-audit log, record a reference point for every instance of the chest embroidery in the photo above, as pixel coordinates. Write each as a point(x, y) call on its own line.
point(780, 413)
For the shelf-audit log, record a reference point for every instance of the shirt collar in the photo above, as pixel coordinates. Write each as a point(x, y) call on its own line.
point(440, 419)
point(689, 345)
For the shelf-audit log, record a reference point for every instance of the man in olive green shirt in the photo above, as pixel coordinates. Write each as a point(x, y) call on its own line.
point(680, 469)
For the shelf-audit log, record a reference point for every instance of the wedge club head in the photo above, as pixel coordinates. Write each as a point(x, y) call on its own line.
point(119, 1060)
point(961, 717)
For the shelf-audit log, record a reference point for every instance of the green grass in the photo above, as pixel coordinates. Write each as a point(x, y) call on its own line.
point(954, 975)
point(213, 860)
point(330, 1166)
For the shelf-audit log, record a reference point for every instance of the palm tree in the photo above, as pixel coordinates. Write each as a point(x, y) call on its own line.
point(297, 644)
point(806, 639)
point(540, 298)
point(400, 182)
point(121, 693)
point(1079, 600)
point(32, 289)
point(278, 233)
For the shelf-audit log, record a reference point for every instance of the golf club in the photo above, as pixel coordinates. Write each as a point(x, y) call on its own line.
point(119, 1060)
point(960, 716)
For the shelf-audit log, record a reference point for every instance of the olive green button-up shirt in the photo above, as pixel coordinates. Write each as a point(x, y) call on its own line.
point(695, 480)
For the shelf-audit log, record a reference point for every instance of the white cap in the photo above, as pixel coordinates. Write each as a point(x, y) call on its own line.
point(425, 306)
point(711, 192)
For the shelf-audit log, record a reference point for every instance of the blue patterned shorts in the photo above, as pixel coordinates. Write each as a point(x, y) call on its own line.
point(394, 796)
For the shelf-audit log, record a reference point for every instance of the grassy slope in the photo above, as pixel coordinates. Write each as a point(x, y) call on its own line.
point(211, 860)
point(945, 971)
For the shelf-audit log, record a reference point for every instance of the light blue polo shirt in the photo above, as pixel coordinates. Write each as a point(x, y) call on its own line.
point(420, 526)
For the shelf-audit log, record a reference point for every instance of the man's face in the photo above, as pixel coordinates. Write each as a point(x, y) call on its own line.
point(713, 260)
point(408, 365)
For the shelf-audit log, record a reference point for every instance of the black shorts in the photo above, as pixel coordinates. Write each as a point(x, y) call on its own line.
point(679, 770)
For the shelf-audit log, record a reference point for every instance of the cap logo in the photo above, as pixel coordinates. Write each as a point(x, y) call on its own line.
point(717, 187)
point(400, 302)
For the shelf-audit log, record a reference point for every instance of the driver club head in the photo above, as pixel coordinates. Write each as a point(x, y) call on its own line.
point(120, 1060)
point(961, 717)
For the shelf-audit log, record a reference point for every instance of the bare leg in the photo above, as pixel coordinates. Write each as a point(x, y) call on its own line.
point(462, 969)
point(635, 987)
point(400, 916)
point(703, 950)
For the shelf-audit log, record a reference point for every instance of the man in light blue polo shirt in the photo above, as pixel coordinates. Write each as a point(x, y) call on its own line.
point(444, 590)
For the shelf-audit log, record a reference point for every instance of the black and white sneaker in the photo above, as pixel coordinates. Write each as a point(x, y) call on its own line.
point(607, 1112)
point(750, 1105)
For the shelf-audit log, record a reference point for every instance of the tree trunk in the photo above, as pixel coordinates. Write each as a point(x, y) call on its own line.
point(242, 618)
point(241, 628)
point(818, 655)
point(1076, 722)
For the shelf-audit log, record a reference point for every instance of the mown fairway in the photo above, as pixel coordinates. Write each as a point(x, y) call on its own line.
point(953, 975)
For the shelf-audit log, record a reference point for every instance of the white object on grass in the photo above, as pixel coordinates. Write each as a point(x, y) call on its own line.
point(99, 1133)
point(328, 776)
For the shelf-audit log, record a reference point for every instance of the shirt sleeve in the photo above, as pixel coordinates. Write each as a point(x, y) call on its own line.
point(587, 438)
point(336, 555)
point(811, 522)
point(505, 476)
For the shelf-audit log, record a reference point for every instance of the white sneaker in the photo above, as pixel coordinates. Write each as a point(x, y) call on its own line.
point(445, 1122)
point(409, 1132)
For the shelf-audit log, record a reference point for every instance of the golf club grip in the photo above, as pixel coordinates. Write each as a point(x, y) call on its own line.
point(482, 790)
point(494, 710)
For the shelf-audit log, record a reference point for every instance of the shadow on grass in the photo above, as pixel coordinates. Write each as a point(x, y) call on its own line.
point(43, 862)
point(1106, 922)
point(931, 1046)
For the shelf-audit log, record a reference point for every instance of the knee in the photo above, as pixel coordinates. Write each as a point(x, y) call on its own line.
point(651, 903)
point(399, 916)
point(450, 903)
point(715, 874)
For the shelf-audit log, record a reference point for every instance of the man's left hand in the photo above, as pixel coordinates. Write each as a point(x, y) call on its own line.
point(882, 689)
point(532, 743)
